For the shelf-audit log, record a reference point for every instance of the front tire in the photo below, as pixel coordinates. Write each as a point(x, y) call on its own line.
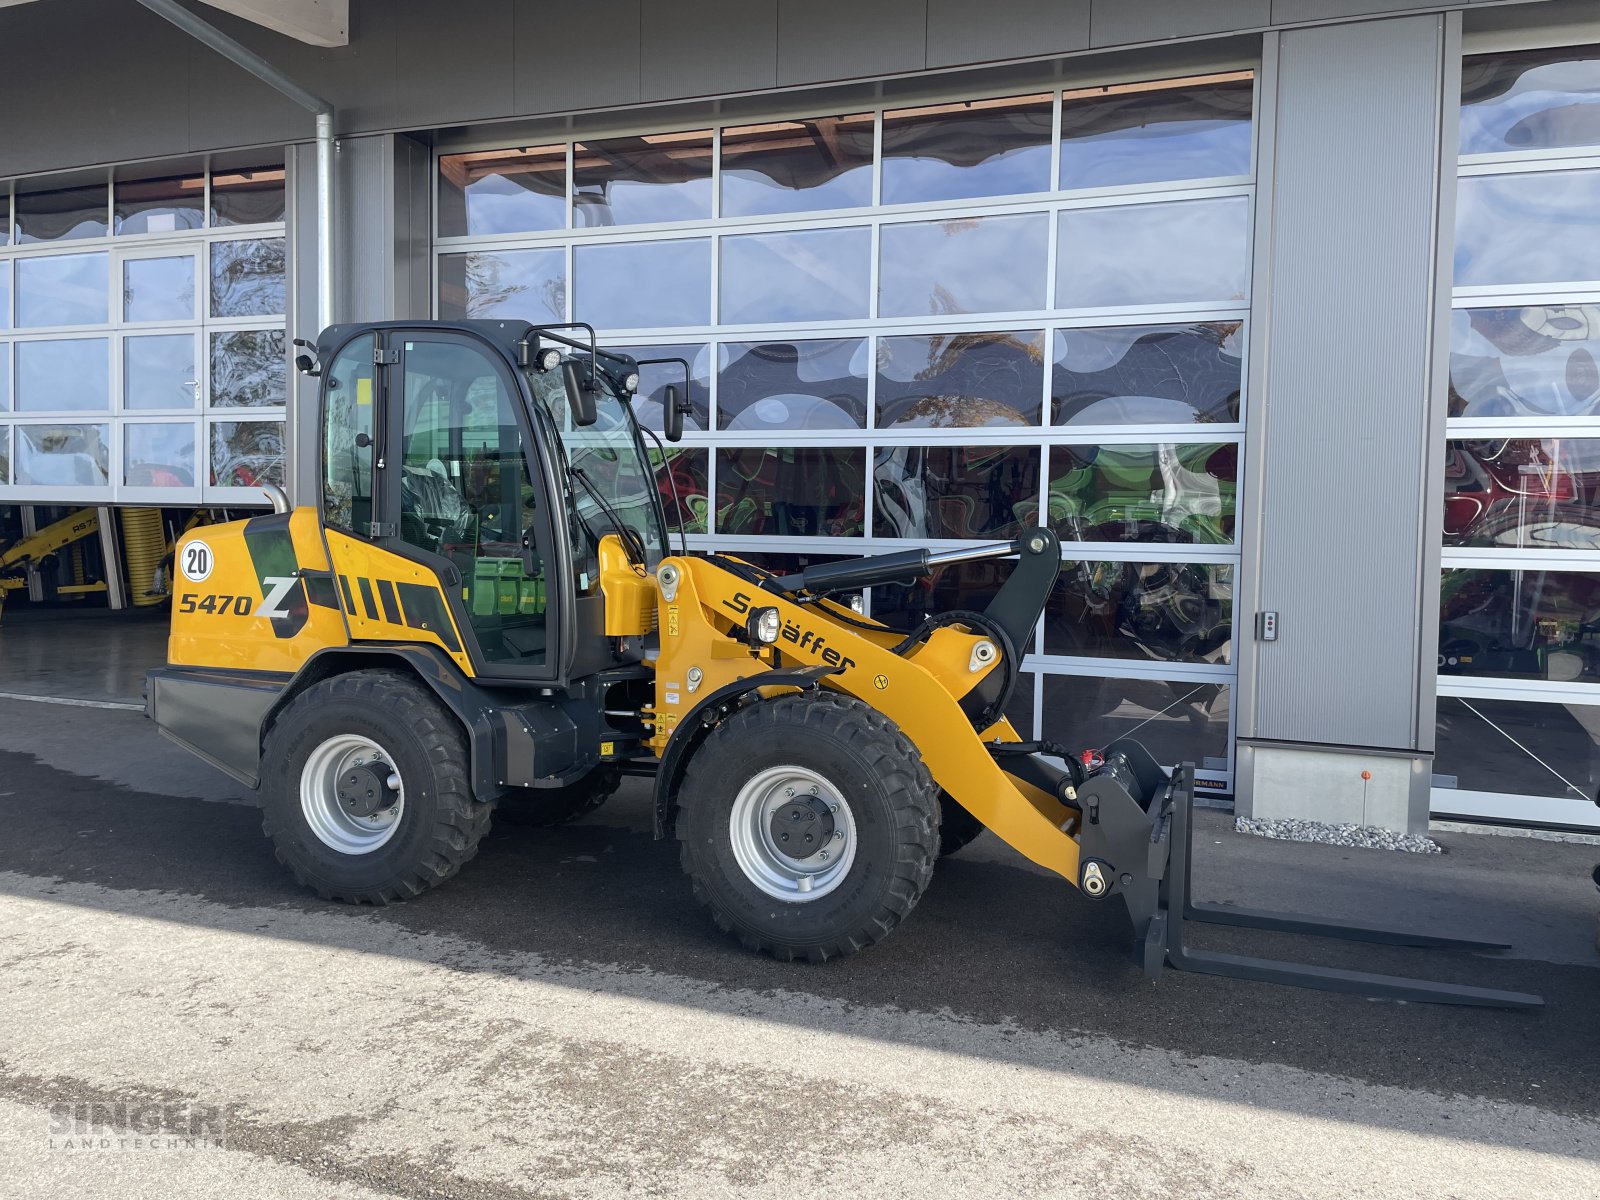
point(366, 796)
point(809, 826)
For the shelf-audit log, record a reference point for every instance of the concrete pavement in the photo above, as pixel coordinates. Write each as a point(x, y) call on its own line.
point(562, 1021)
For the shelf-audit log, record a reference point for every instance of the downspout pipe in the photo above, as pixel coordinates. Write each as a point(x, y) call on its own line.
point(252, 62)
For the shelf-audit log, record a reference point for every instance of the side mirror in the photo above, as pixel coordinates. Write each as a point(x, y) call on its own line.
point(672, 414)
point(580, 399)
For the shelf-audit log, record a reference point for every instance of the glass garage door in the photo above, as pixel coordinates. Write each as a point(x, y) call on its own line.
point(142, 352)
point(1518, 734)
point(934, 325)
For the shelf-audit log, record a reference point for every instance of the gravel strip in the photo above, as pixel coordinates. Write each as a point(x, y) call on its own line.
point(1368, 836)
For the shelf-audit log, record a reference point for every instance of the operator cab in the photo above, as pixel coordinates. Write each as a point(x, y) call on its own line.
point(495, 456)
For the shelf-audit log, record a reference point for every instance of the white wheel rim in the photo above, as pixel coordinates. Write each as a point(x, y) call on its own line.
point(769, 864)
point(333, 826)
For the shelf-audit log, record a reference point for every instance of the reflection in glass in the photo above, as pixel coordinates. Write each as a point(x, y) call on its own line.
point(1147, 374)
point(1528, 493)
point(1538, 361)
point(643, 285)
point(961, 380)
point(818, 384)
point(1516, 747)
point(249, 368)
point(5, 454)
point(248, 196)
point(246, 453)
point(631, 180)
point(805, 492)
point(1162, 612)
point(1180, 252)
point(5, 294)
point(954, 491)
point(1520, 624)
point(62, 456)
point(967, 149)
point(1148, 493)
point(812, 275)
point(159, 372)
point(159, 205)
point(158, 289)
point(62, 289)
point(62, 215)
point(248, 278)
point(526, 285)
point(63, 376)
point(938, 268)
point(797, 166)
point(1178, 721)
point(1531, 228)
point(519, 190)
point(650, 400)
point(158, 455)
point(5, 376)
point(1155, 131)
point(1530, 100)
point(681, 482)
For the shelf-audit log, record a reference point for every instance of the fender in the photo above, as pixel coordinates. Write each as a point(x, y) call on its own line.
point(474, 706)
point(700, 719)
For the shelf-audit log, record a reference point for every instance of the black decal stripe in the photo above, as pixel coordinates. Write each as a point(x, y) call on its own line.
point(319, 588)
point(391, 606)
point(367, 601)
point(425, 610)
point(349, 600)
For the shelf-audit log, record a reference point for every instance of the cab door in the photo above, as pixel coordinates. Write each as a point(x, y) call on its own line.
point(427, 474)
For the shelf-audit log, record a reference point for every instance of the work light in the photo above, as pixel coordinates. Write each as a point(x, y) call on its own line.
point(762, 625)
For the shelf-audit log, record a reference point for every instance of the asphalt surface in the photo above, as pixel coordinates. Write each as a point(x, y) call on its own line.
point(561, 1020)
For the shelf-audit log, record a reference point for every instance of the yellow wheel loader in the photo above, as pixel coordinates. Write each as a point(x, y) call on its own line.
point(483, 609)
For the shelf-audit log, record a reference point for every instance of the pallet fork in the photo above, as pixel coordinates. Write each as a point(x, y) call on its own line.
point(1162, 907)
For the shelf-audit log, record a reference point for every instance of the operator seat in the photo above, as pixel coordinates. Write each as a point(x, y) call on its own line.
point(433, 513)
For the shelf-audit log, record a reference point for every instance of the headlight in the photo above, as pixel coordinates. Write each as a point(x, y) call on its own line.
point(630, 382)
point(547, 360)
point(761, 626)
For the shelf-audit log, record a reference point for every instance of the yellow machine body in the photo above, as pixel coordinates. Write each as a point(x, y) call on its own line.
point(921, 693)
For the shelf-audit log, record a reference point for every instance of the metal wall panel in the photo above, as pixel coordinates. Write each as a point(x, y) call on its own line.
point(845, 39)
point(548, 77)
point(447, 69)
point(1285, 12)
point(1348, 386)
point(1120, 23)
point(703, 47)
point(962, 32)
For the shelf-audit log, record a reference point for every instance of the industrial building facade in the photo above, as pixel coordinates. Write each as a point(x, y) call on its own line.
point(1283, 314)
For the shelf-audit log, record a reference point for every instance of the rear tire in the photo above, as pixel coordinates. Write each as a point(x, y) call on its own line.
point(370, 738)
point(556, 806)
point(813, 766)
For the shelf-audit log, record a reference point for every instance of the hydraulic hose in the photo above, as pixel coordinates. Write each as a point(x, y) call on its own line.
point(144, 545)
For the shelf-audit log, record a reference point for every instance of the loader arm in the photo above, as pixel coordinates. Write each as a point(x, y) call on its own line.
point(919, 683)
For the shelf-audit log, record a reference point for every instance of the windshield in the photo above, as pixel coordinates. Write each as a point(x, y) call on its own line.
point(610, 481)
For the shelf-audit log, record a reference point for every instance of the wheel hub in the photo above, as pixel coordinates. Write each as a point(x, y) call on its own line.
point(792, 832)
point(352, 798)
point(363, 789)
point(802, 826)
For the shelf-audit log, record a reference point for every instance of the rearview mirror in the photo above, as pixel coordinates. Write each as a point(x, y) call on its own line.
point(672, 415)
point(580, 398)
